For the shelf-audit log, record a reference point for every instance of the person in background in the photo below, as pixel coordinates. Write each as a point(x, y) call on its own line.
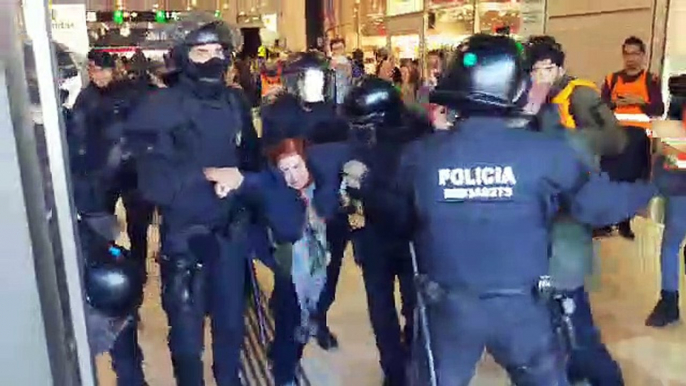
point(343, 69)
point(671, 180)
point(386, 68)
point(244, 78)
point(634, 95)
point(156, 74)
point(138, 64)
point(358, 64)
point(408, 85)
point(271, 71)
point(437, 114)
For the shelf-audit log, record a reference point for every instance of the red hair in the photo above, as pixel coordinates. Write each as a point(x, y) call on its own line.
point(285, 148)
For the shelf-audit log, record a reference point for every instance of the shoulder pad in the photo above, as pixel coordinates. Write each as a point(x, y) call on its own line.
point(157, 111)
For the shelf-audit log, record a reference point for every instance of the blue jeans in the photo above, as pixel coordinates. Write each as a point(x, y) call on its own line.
point(675, 230)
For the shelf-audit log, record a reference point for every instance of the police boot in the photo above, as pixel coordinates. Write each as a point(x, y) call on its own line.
point(396, 378)
point(326, 339)
point(666, 310)
point(602, 232)
point(625, 231)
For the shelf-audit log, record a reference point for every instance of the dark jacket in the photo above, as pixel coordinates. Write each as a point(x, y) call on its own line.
point(178, 132)
point(287, 117)
point(282, 206)
point(95, 129)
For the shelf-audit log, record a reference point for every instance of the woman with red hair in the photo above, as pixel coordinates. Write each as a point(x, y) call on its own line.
point(299, 194)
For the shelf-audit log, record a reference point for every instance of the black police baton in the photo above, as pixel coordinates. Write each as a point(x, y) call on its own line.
point(423, 320)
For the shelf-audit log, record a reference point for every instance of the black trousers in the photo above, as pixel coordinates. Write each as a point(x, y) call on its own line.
point(138, 211)
point(383, 260)
point(634, 162)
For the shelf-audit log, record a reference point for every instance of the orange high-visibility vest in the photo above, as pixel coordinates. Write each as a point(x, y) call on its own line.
point(563, 101)
point(630, 116)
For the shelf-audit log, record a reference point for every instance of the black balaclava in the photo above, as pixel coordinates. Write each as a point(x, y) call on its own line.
point(208, 78)
point(211, 72)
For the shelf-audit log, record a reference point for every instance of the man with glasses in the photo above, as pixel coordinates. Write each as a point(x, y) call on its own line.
point(342, 67)
point(635, 95)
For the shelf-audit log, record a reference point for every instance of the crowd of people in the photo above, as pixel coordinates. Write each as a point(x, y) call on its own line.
point(483, 204)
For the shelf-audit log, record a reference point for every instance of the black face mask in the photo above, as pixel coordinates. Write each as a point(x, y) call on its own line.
point(363, 134)
point(212, 72)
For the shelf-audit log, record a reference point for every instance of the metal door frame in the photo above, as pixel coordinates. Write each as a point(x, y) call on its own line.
point(61, 350)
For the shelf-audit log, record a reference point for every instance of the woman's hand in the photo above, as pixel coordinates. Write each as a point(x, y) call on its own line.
point(225, 179)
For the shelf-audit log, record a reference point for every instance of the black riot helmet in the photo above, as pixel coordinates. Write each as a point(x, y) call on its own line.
point(374, 109)
point(198, 29)
point(486, 75)
point(113, 281)
point(307, 76)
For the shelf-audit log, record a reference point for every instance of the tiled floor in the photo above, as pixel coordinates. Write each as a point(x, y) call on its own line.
point(623, 295)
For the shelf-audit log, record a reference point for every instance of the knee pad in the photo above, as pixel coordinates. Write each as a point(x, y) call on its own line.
point(544, 369)
point(183, 287)
point(203, 247)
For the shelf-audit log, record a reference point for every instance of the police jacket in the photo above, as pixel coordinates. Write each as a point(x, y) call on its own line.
point(95, 128)
point(287, 117)
point(382, 161)
point(480, 200)
point(179, 131)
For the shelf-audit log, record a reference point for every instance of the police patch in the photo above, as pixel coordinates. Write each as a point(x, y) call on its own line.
point(483, 183)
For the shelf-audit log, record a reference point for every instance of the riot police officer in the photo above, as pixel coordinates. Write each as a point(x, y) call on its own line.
point(479, 199)
point(94, 130)
point(186, 138)
point(306, 110)
point(98, 116)
point(379, 129)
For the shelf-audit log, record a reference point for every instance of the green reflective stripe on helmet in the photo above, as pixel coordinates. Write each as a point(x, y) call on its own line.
point(469, 59)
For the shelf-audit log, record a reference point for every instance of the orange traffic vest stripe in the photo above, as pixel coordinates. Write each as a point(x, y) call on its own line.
point(563, 100)
point(638, 87)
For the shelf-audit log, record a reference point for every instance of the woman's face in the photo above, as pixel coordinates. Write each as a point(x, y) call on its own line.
point(405, 72)
point(294, 171)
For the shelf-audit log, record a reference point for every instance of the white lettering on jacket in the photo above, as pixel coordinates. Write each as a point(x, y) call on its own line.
point(477, 183)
